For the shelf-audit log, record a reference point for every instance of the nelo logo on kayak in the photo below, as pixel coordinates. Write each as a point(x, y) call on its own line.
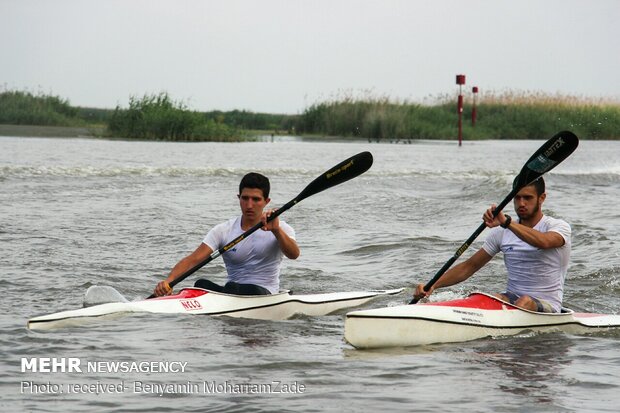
point(190, 305)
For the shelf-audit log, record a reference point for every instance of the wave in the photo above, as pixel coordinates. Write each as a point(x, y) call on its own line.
point(21, 171)
point(495, 175)
point(598, 176)
point(147, 171)
point(601, 170)
point(604, 174)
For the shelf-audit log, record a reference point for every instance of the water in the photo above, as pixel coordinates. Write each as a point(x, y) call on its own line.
point(75, 212)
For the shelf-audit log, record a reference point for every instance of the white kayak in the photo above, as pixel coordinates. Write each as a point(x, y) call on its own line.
point(200, 301)
point(477, 316)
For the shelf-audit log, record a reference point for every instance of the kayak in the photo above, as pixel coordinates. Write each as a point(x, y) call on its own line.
point(279, 306)
point(477, 316)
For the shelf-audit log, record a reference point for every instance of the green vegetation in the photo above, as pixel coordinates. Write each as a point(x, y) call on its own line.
point(530, 115)
point(508, 116)
point(378, 120)
point(94, 115)
point(157, 117)
point(25, 108)
point(246, 120)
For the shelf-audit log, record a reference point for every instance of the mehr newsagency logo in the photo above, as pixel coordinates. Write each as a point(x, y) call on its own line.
point(77, 365)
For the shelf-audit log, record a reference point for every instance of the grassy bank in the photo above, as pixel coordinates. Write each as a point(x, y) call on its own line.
point(158, 117)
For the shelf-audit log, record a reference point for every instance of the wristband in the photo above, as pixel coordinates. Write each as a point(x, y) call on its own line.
point(506, 223)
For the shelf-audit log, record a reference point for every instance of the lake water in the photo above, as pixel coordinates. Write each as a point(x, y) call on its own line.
point(78, 212)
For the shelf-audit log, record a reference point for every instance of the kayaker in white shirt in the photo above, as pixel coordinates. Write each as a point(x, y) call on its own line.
point(536, 253)
point(253, 265)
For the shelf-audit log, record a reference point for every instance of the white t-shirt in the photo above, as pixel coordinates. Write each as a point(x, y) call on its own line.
point(255, 260)
point(539, 273)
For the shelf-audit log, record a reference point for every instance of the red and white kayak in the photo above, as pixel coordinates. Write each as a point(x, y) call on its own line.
point(200, 301)
point(477, 316)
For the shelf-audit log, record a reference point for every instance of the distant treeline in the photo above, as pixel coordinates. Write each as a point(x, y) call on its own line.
point(158, 117)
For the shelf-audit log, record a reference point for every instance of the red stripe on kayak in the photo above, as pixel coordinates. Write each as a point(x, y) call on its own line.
point(184, 293)
point(589, 315)
point(480, 301)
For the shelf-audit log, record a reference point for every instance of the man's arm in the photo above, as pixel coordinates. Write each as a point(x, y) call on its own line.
point(201, 253)
point(457, 274)
point(543, 240)
point(288, 245)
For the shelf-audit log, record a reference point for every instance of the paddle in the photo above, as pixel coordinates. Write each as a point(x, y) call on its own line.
point(547, 157)
point(345, 170)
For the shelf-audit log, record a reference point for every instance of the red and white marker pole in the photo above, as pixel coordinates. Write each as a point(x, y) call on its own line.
point(460, 80)
point(474, 113)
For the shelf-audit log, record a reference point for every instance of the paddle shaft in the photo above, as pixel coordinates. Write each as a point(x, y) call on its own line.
point(464, 247)
point(345, 170)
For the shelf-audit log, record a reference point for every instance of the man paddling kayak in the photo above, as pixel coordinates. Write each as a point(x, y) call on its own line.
point(253, 265)
point(536, 253)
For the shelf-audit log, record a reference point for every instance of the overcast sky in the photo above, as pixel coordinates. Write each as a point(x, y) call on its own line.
point(283, 55)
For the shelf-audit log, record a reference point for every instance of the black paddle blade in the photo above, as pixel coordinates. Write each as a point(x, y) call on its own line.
point(345, 170)
point(551, 154)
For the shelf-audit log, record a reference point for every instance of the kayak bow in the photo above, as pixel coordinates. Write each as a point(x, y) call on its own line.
point(477, 316)
point(200, 301)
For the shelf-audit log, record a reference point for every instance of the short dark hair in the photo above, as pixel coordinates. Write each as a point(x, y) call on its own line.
point(257, 181)
point(539, 184)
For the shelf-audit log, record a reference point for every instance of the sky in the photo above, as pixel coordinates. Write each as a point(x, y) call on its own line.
point(281, 56)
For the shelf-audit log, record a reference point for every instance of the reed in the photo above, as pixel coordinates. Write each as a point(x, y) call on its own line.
point(376, 119)
point(533, 115)
point(506, 115)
